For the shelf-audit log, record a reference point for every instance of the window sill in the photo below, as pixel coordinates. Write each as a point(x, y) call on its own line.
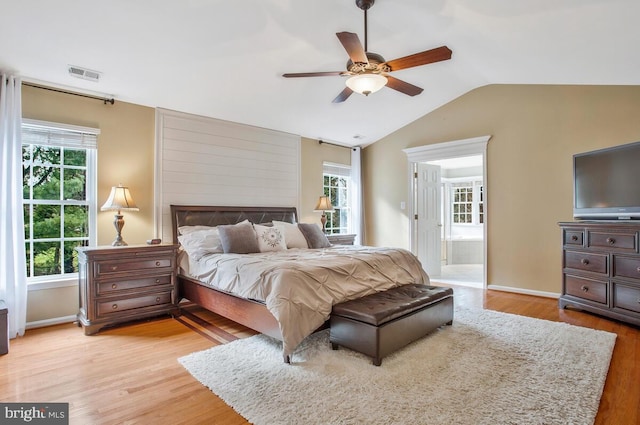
point(52, 283)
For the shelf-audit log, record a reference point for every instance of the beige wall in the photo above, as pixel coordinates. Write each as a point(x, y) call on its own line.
point(313, 155)
point(535, 131)
point(126, 155)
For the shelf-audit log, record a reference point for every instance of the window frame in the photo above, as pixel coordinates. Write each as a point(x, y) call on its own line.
point(78, 137)
point(330, 169)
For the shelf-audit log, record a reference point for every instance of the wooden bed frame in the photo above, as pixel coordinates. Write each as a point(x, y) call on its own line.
point(252, 314)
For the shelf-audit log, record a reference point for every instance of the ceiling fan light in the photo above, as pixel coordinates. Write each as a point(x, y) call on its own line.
point(366, 83)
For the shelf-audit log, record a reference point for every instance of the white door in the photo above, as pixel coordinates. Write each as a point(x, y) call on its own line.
point(429, 222)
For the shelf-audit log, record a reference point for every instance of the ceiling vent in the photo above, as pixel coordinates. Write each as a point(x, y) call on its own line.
point(85, 74)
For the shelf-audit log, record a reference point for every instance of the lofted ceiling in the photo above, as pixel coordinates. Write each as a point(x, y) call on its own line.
point(225, 58)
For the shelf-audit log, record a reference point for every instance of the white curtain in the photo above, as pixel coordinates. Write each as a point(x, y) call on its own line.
point(357, 213)
point(13, 280)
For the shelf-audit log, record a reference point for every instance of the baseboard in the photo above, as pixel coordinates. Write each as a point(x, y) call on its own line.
point(50, 322)
point(524, 291)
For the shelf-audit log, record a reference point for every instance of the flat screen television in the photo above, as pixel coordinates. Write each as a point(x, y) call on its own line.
point(607, 183)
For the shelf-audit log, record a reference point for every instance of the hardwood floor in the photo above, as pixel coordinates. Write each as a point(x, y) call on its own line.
point(130, 374)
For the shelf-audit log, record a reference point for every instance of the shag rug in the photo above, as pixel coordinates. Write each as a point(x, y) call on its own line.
point(487, 368)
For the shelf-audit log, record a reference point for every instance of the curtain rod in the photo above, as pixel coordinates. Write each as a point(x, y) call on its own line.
point(38, 86)
point(335, 144)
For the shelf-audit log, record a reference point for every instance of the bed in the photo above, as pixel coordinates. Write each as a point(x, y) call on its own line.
point(281, 306)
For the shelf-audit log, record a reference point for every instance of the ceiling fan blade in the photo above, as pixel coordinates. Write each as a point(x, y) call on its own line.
point(344, 95)
point(352, 45)
point(402, 86)
point(423, 58)
point(313, 74)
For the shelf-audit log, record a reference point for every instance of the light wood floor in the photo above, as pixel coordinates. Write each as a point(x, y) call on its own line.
point(130, 374)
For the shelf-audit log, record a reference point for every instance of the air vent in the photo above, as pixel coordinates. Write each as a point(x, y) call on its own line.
point(85, 74)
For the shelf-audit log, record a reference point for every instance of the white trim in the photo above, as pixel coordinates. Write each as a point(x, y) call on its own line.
point(68, 280)
point(446, 150)
point(524, 291)
point(50, 322)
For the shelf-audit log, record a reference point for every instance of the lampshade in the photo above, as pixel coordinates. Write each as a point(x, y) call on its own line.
point(120, 199)
point(324, 204)
point(366, 83)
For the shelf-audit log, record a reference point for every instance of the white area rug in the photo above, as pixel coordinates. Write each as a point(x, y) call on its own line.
point(488, 368)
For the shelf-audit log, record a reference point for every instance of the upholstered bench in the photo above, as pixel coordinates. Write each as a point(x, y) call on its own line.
point(381, 323)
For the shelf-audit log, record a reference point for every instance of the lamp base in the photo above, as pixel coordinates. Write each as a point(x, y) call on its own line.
point(323, 220)
point(118, 223)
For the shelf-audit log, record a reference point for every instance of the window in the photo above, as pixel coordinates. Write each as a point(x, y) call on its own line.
point(58, 170)
point(336, 187)
point(467, 203)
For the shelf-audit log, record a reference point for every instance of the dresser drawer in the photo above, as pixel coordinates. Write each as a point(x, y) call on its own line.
point(573, 237)
point(587, 261)
point(105, 268)
point(609, 240)
point(626, 267)
point(119, 305)
point(588, 289)
point(109, 287)
point(626, 297)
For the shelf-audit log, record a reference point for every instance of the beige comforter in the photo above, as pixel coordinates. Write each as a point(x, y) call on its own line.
point(300, 286)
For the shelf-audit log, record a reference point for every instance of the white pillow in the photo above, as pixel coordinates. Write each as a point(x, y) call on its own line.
point(199, 243)
point(292, 234)
point(183, 230)
point(270, 238)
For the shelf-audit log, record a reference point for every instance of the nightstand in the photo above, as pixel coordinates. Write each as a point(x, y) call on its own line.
point(341, 239)
point(123, 283)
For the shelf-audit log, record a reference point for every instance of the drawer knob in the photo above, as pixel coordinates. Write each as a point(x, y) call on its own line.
point(114, 286)
point(584, 288)
point(157, 299)
point(114, 307)
point(158, 263)
point(574, 238)
point(638, 269)
point(157, 280)
point(611, 241)
point(584, 262)
point(114, 268)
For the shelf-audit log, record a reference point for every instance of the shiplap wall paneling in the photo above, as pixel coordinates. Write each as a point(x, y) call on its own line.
point(206, 161)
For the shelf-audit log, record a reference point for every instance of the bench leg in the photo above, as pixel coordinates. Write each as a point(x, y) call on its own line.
point(287, 359)
point(334, 346)
point(377, 361)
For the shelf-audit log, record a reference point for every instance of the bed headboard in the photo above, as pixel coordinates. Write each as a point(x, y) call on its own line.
point(192, 215)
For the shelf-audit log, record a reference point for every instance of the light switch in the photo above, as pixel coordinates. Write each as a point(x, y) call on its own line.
point(403, 205)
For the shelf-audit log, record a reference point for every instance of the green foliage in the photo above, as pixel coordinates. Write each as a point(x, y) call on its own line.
point(54, 175)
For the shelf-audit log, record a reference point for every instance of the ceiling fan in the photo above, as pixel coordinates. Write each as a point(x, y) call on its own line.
point(368, 72)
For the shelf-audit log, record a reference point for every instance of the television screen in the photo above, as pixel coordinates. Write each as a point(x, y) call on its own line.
point(607, 183)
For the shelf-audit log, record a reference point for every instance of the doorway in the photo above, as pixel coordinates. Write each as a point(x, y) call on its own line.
point(448, 232)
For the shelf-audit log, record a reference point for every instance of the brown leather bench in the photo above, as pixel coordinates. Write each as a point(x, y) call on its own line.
point(381, 323)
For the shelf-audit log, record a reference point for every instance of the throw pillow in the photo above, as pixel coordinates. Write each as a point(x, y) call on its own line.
point(292, 234)
point(238, 238)
point(270, 238)
point(314, 235)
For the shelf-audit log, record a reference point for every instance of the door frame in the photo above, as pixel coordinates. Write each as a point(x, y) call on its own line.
point(447, 150)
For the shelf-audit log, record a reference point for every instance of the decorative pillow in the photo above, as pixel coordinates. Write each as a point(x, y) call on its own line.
point(199, 243)
point(183, 230)
point(238, 238)
point(314, 235)
point(270, 238)
point(292, 234)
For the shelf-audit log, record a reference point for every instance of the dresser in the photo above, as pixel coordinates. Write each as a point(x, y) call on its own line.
point(125, 283)
point(601, 268)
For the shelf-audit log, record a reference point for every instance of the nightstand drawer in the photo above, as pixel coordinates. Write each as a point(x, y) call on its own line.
point(588, 289)
point(597, 263)
point(105, 268)
point(118, 305)
point(626, 297)
point(108, 287)
point(573, 237)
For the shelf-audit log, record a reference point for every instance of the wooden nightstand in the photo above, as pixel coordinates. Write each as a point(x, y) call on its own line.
point(124, 283)
point(341, 239)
